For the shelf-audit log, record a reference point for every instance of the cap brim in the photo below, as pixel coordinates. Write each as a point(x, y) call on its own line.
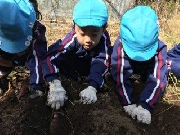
point(13, 46)
point(141, 55)
point(89, 22)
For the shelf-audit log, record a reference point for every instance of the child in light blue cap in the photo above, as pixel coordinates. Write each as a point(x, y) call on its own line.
point(138, 51)
point(85, 51)
point(22, 40)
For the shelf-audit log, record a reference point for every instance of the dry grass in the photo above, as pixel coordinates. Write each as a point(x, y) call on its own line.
point(170, 30)
point(57, 30)
point(172, 92)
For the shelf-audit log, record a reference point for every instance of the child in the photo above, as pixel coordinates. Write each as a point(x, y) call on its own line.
point(22, 40)
point(139, 51)
point(173, 60)
point(84, 51)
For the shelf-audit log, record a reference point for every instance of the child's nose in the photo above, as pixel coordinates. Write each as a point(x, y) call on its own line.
point(88, 39)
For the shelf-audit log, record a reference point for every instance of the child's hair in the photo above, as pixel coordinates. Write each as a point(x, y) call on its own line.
point(35, 5)
point(104, 26)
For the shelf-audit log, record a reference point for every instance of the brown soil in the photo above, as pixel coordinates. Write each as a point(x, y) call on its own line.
point(105, 117)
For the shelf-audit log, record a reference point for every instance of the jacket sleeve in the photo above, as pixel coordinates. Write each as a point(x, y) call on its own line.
point(50, 69)
point(100, 63)
point(38, 51)
point(173, 55)
point(121, 71)
point(157, 79)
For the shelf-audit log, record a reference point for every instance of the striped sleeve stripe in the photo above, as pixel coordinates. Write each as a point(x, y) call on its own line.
point(106, 62)
point(122, 91)
point(157, 74)
point(68, 38)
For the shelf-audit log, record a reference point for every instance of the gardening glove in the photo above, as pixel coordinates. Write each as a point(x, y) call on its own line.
point(129, 108)
point(88, 95)
point(56, 95)
point(142, 115)
point(35, 93)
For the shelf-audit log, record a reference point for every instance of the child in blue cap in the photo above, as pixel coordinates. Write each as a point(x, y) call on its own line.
point(173, 60)
point(22, 40)
point(138, 51)
point(85, 51)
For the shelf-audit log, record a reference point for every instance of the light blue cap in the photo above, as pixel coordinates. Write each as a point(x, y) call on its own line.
point(90, 13)
point(139, 31)
point(17, 18)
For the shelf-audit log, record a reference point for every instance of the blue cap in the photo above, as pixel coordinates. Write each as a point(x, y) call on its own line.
point(139, 31)
point(17, 18)
point(90, 13)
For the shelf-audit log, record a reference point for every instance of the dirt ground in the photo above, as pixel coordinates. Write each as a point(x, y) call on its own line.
point(105, 117)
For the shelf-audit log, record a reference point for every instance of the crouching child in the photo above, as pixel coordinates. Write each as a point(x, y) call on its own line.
point(138, 50)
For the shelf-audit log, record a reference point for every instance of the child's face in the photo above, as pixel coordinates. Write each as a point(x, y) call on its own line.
point(89, 36)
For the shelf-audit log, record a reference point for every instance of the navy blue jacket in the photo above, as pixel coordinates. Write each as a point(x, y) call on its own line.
point(36, 55)
point(153, 70)
point(173, 55)
point(98, 58)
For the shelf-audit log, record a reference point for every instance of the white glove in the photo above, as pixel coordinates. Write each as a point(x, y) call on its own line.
point(56, 95)
point(129, 108)
point(35, 94)
point(142, 115)
point(88, 95)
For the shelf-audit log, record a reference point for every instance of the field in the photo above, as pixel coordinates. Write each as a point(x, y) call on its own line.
point(105, 117)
